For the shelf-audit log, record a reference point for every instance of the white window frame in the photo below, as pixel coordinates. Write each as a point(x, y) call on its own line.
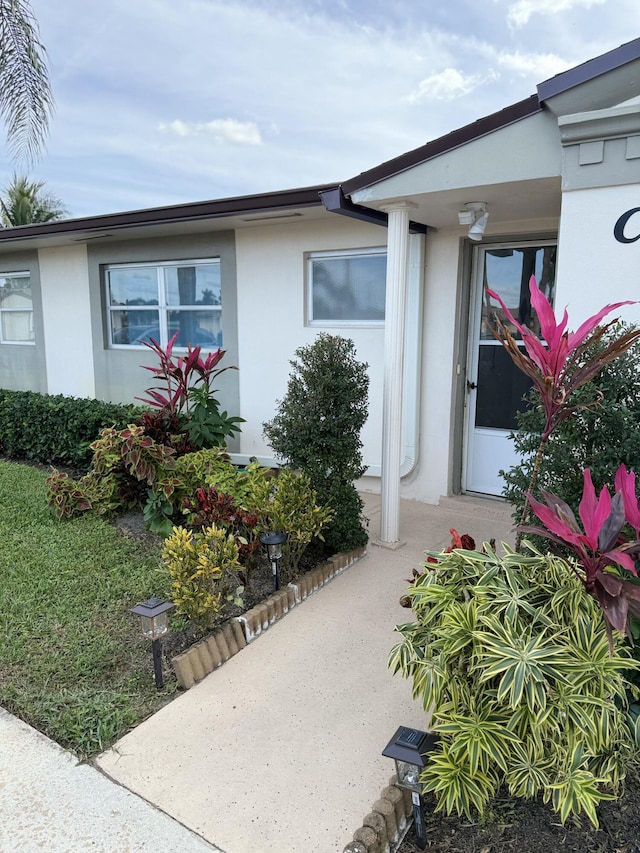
point(18, 274)
point(339, 253)
point(163, 307)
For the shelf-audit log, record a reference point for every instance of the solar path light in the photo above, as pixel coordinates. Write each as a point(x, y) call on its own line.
point(410, 750)
point(273, 543)
point(154, 624)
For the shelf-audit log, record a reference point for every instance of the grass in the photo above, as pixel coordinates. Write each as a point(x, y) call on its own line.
point(71, 662)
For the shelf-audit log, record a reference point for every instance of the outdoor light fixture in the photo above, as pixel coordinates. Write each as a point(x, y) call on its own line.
point(154, 623)
point(410, 750)
point(273, 543)
point(476, 215)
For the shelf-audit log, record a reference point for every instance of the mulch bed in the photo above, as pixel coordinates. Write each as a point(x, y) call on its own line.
point(259, 583)
point(529, 826)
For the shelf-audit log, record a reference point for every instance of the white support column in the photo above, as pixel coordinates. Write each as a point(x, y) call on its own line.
point(394, 333)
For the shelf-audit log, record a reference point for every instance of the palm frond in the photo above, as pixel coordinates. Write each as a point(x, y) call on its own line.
point(26, 100)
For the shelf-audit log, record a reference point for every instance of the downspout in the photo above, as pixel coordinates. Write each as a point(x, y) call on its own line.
point(335, 201)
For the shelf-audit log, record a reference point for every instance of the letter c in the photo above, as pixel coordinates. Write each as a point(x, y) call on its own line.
point(618, 230)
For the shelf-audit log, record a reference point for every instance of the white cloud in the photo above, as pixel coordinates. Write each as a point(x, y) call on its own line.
point(540, 65)
point(520, 12)
point(447, 85)
point(221, 129)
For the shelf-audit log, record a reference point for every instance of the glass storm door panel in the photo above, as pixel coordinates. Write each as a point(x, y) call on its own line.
point(495, 386)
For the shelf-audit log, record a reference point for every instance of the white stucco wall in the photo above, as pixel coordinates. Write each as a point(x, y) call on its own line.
point(67, 321)
point(431, 478)
point(271, 320)
point(594, 269)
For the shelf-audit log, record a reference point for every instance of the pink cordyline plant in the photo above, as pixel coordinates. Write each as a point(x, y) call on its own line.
point(560, 363)
point(600, 545)
point(180, 376)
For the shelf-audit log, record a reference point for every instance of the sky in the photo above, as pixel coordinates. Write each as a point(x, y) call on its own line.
point(161, 102)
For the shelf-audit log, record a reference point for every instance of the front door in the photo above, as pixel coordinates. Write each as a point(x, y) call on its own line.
point(495, 386)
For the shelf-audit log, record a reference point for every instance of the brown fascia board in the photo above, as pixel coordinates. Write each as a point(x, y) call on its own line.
point(589, 70)
point(236, 206)
point(475, 130)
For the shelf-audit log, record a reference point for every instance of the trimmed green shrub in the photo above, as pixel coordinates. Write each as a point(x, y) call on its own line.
point(511, 658)
point(54, 429)
point(599, 437)
point(317, 430)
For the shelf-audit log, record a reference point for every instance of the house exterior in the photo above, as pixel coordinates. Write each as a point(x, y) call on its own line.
point(382, 258)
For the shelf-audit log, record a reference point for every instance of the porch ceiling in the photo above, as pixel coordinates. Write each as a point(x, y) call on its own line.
point(509, 202)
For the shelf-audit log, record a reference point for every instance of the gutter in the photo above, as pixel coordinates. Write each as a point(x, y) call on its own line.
point(192, 211)
point(335, 201)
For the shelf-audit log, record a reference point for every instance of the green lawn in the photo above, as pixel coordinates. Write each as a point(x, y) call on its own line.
point(71, 662)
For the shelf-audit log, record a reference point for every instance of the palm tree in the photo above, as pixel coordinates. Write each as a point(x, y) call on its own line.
point(23, 203)
point(26, 101)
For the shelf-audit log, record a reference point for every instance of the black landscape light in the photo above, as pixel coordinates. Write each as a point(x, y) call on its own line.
point(154, 624)
point(273, 543)
point(410, 750)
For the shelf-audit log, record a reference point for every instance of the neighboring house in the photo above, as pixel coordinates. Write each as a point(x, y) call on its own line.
point(382, 259)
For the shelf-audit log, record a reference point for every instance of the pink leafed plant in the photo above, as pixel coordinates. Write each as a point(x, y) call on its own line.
point(560, 363)
point(600, 545)
point(179, 376)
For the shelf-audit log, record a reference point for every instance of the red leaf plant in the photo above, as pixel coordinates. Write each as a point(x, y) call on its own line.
point(600, 545)
point(180, 376)
point(464, 541)
point(560, 363)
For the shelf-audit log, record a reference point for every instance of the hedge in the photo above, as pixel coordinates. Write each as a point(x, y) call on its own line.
point(54, 429)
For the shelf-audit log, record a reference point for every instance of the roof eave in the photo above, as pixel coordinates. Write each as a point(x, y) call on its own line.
point(191, 212)
point(477, 129)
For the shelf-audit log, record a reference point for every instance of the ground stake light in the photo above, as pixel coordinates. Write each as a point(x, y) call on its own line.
point(410, 750)
point(154, 624)
point(273, 543)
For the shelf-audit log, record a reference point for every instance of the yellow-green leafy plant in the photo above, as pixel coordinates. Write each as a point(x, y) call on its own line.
point(203, 567)
point(288, 503)
point(512, 661)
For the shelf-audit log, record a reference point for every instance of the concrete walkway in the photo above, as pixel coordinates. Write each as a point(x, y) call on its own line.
point(49, 802)
point(278, 751)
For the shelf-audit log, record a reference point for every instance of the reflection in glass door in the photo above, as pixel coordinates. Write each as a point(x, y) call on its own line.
point(495, 386)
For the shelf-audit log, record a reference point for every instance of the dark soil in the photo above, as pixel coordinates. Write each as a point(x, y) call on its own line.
point(525, 826)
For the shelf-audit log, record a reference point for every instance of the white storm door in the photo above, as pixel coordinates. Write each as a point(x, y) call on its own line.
point(495, 386)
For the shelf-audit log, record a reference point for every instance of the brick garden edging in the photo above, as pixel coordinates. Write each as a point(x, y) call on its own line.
point(202, 658)
point(386, 825)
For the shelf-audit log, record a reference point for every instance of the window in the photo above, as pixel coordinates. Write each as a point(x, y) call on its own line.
point(147, 301)
point(346, 287)
point(16, 308)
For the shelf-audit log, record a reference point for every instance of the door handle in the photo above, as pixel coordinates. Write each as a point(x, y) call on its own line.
point(471, 386)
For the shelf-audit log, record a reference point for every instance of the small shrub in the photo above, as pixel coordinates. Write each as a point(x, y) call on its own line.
point(292, 508)
point(126, 465)
point(513, 660)
point(317, 430)
point(211, 507)
point(203, 567)
point(68, 497)
point(166, 428)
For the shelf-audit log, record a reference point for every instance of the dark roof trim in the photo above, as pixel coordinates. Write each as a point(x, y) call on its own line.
point(335, 202)
point(589, 70)
point(459, 137)
point(237, 206)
